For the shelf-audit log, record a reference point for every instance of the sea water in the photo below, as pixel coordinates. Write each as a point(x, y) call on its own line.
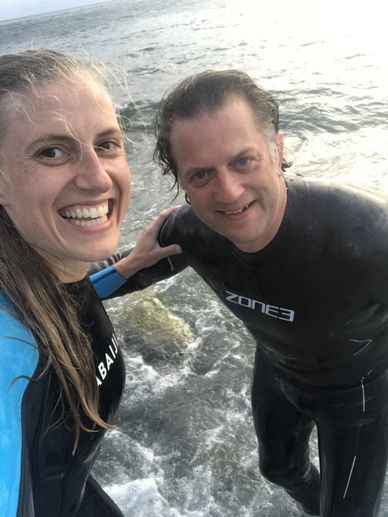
point(184, 443)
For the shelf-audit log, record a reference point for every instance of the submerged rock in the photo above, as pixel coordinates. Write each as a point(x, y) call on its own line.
point(150, 327)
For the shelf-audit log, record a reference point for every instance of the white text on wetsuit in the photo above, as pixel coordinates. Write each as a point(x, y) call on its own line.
point(104, 366)
point(270, 310)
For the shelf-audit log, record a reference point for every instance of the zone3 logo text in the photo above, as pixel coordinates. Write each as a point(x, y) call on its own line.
point(270, 310)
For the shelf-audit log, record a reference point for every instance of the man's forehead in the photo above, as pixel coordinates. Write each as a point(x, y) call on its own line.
point(232, 110)
point(228, 123)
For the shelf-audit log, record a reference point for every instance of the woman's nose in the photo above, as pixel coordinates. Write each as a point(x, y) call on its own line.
point(92, 174)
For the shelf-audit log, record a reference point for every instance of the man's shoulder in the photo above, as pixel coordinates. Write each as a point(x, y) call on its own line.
point(330, 189)
point(340, 217)
point(184, 226)
point(185, 214)
point(335, 202)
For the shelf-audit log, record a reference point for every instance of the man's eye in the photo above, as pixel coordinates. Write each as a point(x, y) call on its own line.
point(200, 178)
point(200, 175)
point(244, 161)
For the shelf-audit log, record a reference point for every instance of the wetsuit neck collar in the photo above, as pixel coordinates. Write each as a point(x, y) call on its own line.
point(76, 286)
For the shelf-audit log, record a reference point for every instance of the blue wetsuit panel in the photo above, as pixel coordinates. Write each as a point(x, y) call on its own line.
point(18, 357)
point(106, 281)
point(40, 476)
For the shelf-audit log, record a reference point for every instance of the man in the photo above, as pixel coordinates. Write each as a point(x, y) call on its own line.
point(304, 264)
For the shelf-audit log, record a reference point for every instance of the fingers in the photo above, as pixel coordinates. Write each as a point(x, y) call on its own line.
point(174, 249)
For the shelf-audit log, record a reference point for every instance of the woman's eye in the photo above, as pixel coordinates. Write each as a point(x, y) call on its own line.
point(52, 153)
point(109, 145)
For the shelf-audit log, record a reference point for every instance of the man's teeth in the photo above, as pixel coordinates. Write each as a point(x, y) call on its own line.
point(87, 216)
point(239, 211)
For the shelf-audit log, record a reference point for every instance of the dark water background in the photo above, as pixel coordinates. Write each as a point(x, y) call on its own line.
point(184, 444)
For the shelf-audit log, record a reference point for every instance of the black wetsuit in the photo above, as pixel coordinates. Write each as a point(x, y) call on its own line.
point(316, 301)
point(39, 475)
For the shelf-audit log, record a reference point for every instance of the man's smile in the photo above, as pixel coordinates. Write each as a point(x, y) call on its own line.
point(237, 211)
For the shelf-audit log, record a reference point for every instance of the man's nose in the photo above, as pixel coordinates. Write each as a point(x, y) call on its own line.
point(227, 187)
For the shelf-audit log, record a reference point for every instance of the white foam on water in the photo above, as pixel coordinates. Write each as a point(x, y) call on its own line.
point(145, 380)
point(141, 498)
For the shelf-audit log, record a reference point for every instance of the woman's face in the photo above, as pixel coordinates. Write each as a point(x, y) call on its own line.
point(64, 177)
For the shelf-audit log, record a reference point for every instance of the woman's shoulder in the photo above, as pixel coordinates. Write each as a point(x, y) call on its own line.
point(18, 349)
point(18, 362)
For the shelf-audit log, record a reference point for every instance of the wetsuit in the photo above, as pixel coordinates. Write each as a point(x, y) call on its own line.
point(39, 476)
point(316, 301)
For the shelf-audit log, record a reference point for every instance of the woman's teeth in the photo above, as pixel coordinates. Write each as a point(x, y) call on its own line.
point(85, 216)
point(89, 222)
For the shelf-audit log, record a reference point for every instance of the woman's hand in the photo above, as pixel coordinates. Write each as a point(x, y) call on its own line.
point(148, 250)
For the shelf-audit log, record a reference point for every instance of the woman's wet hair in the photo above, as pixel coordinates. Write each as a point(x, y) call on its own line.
point(39, 299)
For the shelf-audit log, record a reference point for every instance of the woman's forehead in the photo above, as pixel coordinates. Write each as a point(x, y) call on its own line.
point(58, 99)
point(78, 109)
point(54, 92)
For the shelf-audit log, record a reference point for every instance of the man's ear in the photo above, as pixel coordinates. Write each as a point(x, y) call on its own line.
point(280, 147)
point(3, 196)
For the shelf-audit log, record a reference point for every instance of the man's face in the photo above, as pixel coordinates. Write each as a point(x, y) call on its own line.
point(234, 182)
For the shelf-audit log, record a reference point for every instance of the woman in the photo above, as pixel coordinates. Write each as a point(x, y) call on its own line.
point(64, 191)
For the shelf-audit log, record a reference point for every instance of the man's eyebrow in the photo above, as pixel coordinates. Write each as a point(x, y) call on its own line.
point(247, 150)
point(195, 168)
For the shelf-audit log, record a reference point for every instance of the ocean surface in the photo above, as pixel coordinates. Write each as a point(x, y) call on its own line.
point(184, 443)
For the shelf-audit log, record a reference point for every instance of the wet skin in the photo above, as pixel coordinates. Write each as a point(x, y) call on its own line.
point(64, 177)
point(231, 175)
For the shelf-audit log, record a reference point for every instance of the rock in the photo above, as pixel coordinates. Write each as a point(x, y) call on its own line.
point(150, 327)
